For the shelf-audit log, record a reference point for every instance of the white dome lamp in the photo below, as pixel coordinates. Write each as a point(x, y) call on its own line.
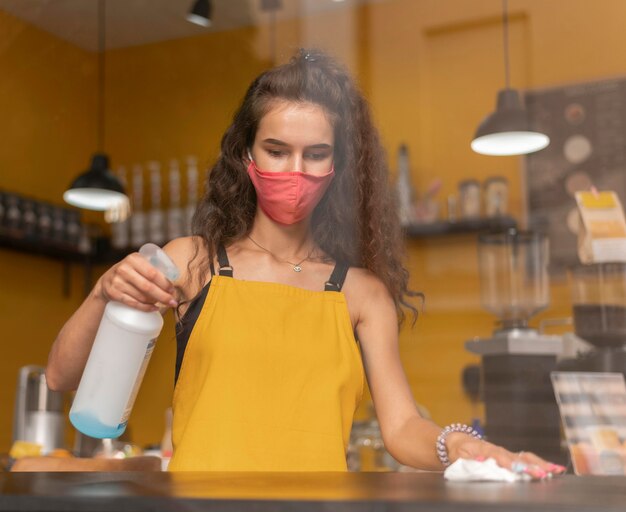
point(507, 131)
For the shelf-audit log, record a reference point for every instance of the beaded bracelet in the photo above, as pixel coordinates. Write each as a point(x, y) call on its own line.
point(442, 450)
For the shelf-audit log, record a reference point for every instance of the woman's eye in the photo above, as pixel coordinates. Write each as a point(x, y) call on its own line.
point(275, 152)
point(316, 156)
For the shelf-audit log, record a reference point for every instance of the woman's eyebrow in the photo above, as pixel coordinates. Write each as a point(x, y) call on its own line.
point(275, 141)
point(312, 146)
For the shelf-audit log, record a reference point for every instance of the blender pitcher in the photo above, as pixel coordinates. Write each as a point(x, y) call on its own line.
point(514, 283)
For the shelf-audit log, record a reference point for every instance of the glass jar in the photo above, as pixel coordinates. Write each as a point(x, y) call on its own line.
point(496, 196)
point(469, 199)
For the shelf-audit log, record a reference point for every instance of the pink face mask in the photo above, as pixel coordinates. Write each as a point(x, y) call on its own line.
point(288, 197)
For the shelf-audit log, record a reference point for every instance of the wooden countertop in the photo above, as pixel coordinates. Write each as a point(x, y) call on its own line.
point(302, 492)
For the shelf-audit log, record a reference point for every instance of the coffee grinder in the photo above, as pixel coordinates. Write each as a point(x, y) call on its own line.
point(599, 313)
point(521, 412)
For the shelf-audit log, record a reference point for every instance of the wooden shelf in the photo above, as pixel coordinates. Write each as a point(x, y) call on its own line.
point(58, 251)
point(462, 226)
point(63, 252)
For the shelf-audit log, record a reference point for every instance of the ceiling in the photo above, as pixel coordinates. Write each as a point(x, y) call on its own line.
point(137, 22)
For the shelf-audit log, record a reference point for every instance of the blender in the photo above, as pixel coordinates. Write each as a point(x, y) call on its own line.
point(514, 286)
point(521, 412)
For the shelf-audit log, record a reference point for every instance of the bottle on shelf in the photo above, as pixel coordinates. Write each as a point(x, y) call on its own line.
point(118, 360)
point(84, 240)
point(72, 228)
point(29, 219)
point(192, 192)
point(155, 215)
point(59, 231)
point(174, 213)
point(404, 188)
point(138, 218)
point(120, 236)
point(13, 216)
point(44, 222)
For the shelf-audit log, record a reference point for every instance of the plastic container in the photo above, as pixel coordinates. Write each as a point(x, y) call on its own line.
point(118, 361)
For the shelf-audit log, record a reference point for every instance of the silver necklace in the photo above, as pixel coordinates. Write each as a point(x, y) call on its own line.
point(296, 266)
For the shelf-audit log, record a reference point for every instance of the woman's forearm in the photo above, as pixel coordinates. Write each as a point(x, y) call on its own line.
point(71, 348)
point(413, 444)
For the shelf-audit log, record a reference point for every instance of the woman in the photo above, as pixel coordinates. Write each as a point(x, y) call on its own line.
point(296, 257)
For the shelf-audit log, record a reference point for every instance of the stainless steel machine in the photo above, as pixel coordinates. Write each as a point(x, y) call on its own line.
point(39, 412)
point(599, 313)
point(521, 412)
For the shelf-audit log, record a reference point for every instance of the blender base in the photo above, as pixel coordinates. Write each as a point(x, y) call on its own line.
point(516, 341)
point(521, 412)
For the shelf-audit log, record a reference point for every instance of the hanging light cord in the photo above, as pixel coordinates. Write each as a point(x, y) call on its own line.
point(505, 33)
point(101, 63)
point(273, 36)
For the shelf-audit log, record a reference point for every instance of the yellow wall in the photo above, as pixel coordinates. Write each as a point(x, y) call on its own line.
point(430, 68)
point(47, 101)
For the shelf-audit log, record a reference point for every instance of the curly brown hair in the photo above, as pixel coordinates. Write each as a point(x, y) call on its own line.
point(356, 221)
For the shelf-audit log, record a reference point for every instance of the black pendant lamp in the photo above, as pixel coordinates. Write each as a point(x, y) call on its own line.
point(98, 188)
point(200, 13)
point(507, 131)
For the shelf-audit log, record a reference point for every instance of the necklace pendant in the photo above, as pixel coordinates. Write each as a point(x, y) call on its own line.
point(297, 268)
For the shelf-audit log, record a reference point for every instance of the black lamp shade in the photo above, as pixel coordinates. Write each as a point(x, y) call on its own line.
point(200, 13)
point(507, 131)
point(97, 188)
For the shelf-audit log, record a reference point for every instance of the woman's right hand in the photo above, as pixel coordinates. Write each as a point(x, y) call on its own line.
point(136, 283)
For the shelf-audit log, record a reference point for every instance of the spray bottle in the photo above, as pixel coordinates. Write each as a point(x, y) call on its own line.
point(118, 360)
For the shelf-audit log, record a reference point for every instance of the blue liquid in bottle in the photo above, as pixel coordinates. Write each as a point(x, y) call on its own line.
point(90, 426)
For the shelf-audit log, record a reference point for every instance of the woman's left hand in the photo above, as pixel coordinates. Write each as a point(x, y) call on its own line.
point(462, 446)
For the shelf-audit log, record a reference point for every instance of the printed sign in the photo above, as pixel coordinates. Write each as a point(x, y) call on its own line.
point(593, 414)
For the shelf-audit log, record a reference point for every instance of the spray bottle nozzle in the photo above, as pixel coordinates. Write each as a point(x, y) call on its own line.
point(158, 259)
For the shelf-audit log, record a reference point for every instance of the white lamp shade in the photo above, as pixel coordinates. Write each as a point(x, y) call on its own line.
point(510, 143)
point(507, 130)
point(198, 20)
point(94, 198)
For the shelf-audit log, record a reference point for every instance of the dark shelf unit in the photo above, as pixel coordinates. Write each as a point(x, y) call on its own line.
point(57, 251)
point(65, 253)
point(440, 228)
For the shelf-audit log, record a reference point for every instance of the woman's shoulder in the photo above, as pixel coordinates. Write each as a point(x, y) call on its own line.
point(363, 283)
point(186, 250)
point(367, 296)
point(183, 247)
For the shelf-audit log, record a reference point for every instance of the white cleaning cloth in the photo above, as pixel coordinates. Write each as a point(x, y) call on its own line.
point(465, 470)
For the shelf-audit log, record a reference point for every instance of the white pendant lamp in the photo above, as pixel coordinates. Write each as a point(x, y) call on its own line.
point(507, 131)
point(98, 188)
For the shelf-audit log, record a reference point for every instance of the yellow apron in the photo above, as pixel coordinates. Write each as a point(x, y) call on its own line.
point(270, 379)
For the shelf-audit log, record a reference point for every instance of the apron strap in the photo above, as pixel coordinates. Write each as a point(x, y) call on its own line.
point(222, 259)
point(336, 279)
